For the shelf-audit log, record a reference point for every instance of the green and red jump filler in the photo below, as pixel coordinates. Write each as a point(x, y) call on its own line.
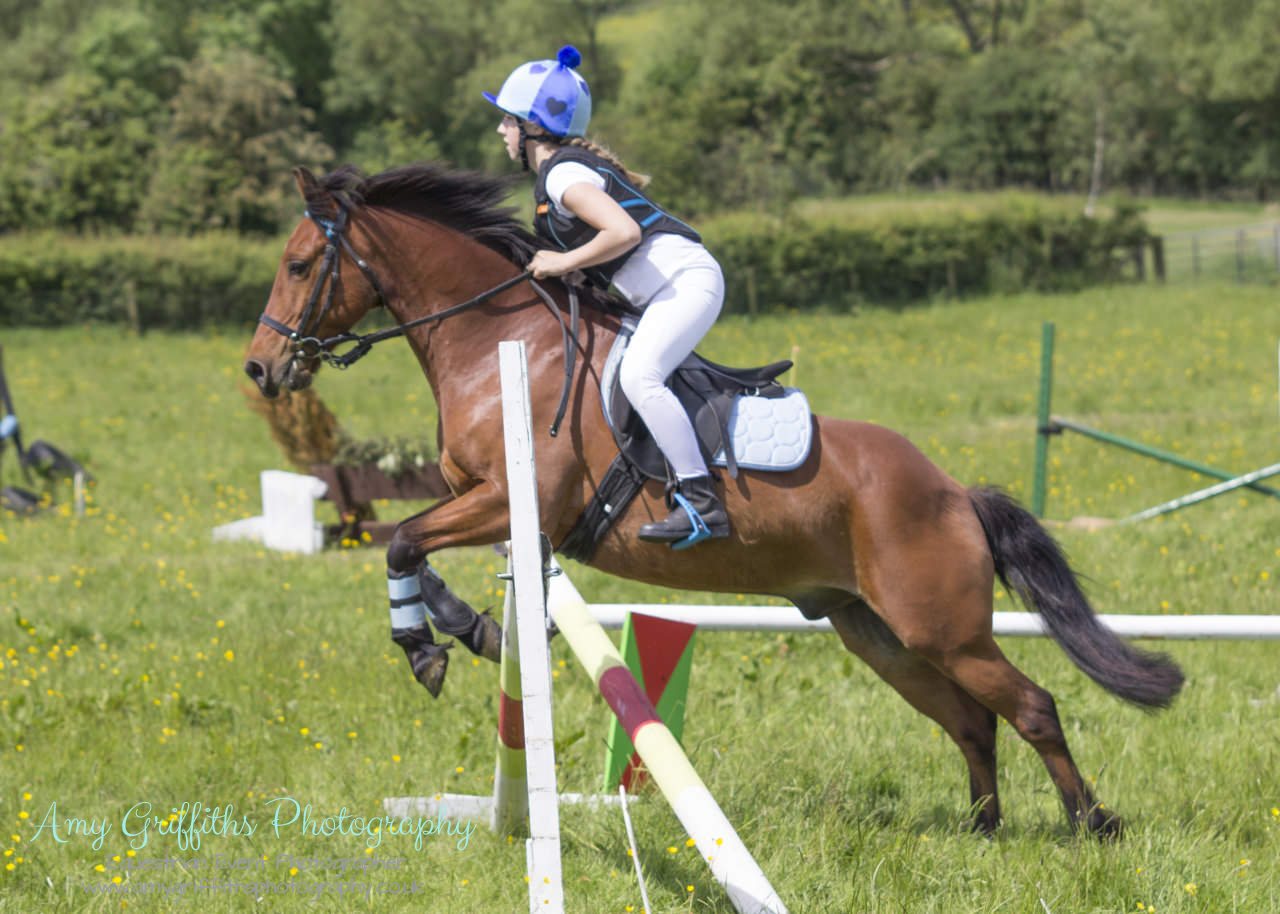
point(659, 653)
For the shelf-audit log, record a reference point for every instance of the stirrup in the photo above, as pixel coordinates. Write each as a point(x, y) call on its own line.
point(700, 529)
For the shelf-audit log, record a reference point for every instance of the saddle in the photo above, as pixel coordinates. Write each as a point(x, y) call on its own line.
point(705, 390)
point(714, 396)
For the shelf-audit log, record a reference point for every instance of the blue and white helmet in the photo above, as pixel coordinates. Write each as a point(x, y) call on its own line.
point(549, 93)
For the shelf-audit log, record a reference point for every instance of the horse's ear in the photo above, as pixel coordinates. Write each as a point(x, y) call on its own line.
point(307, 183)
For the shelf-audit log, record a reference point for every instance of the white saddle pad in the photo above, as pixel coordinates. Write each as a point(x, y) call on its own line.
point(770, 433)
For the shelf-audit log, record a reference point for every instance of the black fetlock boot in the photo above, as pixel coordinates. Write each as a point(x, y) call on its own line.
point(697, 514)
point(428, 660)
point(480, 632)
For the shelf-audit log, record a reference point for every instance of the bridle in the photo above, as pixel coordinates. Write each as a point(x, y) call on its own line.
point(306, 344)
point(309, 346)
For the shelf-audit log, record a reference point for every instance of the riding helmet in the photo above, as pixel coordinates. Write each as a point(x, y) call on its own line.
point(549, 93)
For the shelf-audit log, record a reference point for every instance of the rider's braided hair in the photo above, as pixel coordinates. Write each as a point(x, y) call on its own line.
point(596, 148)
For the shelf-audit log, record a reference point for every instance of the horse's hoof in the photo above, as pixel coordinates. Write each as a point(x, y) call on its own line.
point(982, 825)
point(1106, 826)
point(429, 666)
point(428, 660)
point(486, 637)
point(1103, 824)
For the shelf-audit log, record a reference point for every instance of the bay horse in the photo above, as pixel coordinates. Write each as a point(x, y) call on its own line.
point(868, 532)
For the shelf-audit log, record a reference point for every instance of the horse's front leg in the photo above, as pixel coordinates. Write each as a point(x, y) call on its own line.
point(421, 599)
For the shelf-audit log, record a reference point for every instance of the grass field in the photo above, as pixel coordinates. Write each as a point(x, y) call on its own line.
point(1163, 215)
point(145, 665)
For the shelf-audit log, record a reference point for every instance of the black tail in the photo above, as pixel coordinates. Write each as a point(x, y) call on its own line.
point(1029, 562)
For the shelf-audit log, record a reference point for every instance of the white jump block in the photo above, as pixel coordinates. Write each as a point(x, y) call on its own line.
point(288, 520)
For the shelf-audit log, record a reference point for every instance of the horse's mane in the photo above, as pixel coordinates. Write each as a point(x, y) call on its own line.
point(466, 201)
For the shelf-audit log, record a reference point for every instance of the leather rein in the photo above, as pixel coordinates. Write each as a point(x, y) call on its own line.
point(307, 345)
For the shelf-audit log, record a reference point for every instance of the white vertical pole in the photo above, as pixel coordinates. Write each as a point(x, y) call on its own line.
point(546, 890)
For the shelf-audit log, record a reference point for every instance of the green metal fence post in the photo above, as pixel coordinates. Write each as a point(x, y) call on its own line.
point(1042, 419)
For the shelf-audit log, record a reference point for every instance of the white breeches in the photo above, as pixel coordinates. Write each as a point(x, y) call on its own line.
point(673, 323)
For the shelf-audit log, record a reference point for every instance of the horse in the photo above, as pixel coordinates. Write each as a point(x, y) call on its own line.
point(867, 532)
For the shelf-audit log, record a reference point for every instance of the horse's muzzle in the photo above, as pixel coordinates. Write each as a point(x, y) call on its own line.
point(297, 375)
point(260, 375)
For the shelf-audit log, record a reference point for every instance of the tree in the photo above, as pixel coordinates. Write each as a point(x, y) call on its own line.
point(34, 52)
point(761, 102)
point(73, 154)
point(236, 131)
point(1225, 92)
point(1000, 122)
point(400, 60)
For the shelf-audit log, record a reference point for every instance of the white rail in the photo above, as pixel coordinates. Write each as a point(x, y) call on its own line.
point(1010, 624)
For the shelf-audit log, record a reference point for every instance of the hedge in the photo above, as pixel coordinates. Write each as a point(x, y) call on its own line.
point(50, 280)
point(802, 261)
point(1008, 243)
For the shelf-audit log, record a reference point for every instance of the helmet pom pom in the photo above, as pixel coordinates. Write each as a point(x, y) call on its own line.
point(569, 57)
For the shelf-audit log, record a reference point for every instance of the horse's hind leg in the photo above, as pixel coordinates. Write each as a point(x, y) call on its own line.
point(971, 725)
point(965, 652)
point(982, 669)
point(933, 587)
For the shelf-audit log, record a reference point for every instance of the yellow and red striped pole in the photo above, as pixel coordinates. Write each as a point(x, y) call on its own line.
point(731, 863)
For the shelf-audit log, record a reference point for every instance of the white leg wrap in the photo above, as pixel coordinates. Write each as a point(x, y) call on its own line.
point(407, 608)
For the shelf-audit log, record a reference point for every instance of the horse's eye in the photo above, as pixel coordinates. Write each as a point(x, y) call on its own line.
point(297, 268)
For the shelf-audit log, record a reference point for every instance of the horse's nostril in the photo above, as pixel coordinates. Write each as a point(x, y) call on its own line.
point(255, 370)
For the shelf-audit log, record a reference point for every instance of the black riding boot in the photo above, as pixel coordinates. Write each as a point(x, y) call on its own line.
point(700, 493)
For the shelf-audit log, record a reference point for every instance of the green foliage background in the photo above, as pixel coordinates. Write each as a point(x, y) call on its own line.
point(142, 115)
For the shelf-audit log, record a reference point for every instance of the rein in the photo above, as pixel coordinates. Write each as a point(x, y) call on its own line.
point(309, 346)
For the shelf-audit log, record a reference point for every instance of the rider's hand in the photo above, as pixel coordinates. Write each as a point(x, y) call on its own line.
point(550, 263)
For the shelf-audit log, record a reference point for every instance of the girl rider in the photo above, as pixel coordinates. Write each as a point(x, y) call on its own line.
point(591, 207)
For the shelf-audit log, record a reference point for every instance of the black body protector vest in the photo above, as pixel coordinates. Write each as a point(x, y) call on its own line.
point(571, 232)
